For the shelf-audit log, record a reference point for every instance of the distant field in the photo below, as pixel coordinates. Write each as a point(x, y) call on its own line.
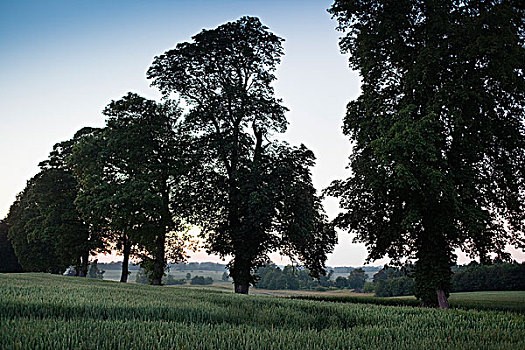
point(40, 311)
point(514, 301)
point(114, 275)
point(369, 275)
point(505, 301)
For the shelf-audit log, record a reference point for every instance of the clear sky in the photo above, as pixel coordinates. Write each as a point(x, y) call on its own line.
point(61, 62)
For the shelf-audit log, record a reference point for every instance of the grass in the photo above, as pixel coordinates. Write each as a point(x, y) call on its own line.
point(504, 301)
point(39, 311)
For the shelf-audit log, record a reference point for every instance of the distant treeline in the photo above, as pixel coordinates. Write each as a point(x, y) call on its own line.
point(348, 269)
point(297, 278)
point(473, 277)
point(210, 266)
point(203, 266)
point(391, 282)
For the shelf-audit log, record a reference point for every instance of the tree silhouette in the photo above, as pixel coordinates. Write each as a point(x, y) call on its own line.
point(438, 130)
point(253, 195)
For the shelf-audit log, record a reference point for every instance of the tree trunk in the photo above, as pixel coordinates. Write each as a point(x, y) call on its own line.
point(159, 263)
point(126, 249)
point(77, 266)
point(242, 287)
point(432, 269)
point(240, 272)
point(85, 264)
point(442, 299)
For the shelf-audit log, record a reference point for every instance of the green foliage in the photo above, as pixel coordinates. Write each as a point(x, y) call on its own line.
point(438, 132)
point(290, 277)
point(341, 282)
point(200, 280)
point(8, 260)
point(369, 287)
point(128, 172)
point(42, 311)
point(500, 276)
point(357, 279)
point(225, 277)
point(169, 280)
point(392, 282)
point(45, 227)
point(253, 194)
point(142, 276)
point(94, 271)
point(393, 287)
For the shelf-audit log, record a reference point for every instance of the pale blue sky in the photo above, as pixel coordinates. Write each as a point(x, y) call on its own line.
point(61, 62)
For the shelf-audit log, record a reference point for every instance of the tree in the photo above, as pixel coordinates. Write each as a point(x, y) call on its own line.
point(188, 276)
point(142, 276)
point(78, 239)
point(439, 139)
point(169, 280)
point(38, 224)
point(45, 227)
point(341, 282)
point(357, 279)
point(94, 271)
point(8, 260)
point(225, 276)
point(201, 280)
point(499, 276)
point(253, 195)
point(103, 201)
point(128, 173)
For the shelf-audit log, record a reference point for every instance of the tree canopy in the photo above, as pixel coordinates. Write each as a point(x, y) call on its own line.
point(439, 132)
point(127, 172)
point(45, 227)
point(253, 195)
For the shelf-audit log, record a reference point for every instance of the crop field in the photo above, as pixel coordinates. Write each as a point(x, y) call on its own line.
point(503, 301)
point(40, 311)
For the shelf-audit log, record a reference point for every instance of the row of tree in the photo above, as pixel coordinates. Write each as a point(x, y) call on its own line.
point(169, 280)
point(500, 276)
point(138, 184)
point(391, 282)
point(438, 159)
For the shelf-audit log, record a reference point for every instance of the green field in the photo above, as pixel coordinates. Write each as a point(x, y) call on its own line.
point(40, 311)
point(503, 301)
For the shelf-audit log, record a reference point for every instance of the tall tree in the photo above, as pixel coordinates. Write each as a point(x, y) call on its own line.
point(252, 195)
point(78, 238)
point(127, 173)
point(104, 200)
point(439, 137)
